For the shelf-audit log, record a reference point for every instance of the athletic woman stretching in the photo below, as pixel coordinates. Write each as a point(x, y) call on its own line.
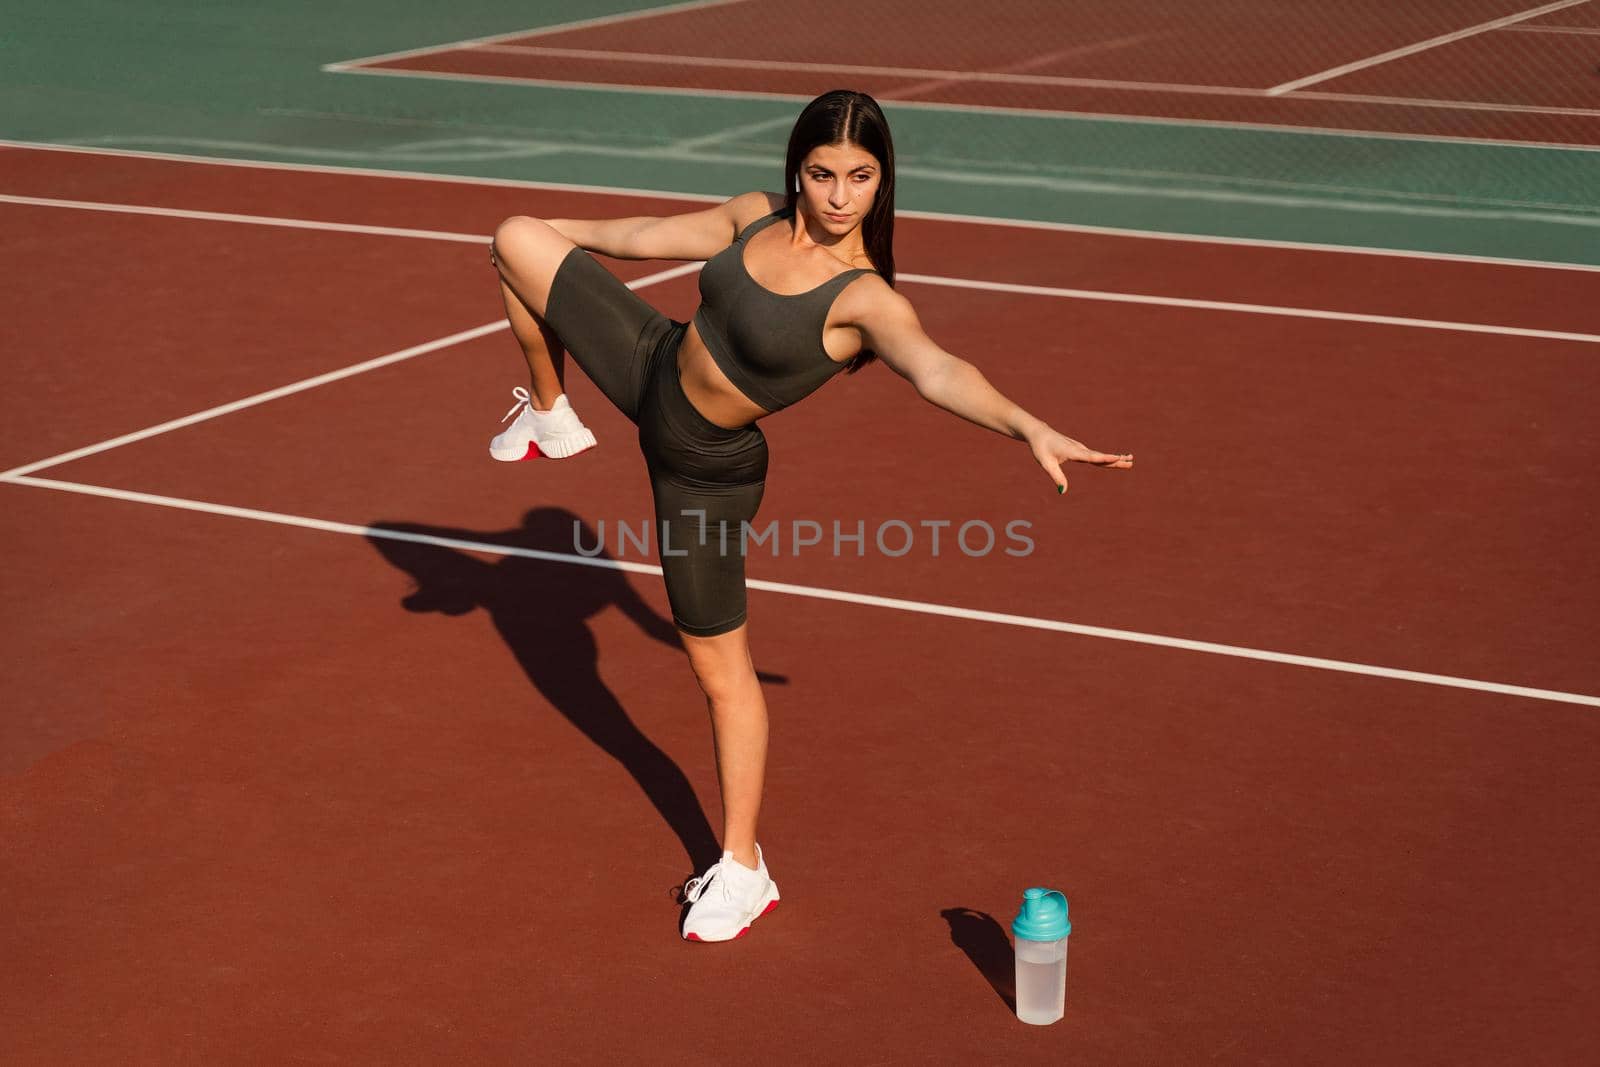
point(795, 288)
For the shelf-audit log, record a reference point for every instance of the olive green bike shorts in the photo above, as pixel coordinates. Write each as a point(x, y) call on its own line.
point(707, 480)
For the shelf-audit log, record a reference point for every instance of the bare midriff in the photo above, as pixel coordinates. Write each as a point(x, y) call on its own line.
point(709, 390)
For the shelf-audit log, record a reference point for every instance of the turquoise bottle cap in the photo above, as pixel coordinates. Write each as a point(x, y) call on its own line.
point(1043, 916)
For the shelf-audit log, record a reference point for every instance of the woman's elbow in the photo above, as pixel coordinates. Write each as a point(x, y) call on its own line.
point(934, 382)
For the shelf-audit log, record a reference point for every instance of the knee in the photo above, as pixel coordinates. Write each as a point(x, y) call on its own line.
point(726, 694)
point(708, 672)
point(722, 677)
point(516, 237)
point(518, 227)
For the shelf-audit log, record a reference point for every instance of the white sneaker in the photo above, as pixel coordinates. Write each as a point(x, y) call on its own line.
point(728, 898)
point(557, 433)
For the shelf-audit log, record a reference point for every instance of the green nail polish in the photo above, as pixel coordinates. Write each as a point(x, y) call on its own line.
point(1061, 489)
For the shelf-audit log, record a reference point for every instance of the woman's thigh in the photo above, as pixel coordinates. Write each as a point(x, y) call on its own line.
point(707, 482)
point(609, 330)
point(701, 538)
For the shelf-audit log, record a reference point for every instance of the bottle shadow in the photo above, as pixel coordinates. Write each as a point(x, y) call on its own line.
point(540, 607)
point(984, 941)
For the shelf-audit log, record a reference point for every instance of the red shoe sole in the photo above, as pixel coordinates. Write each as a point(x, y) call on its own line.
point(737, 936)
point(534, 453)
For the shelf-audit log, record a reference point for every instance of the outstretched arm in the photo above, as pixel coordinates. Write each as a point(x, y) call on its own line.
point(889, 325)
point(692, 235)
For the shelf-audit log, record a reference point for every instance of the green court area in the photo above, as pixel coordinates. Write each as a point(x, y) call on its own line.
point(247, 81)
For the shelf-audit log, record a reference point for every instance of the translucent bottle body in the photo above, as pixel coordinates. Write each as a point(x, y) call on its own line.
point(1041, 980)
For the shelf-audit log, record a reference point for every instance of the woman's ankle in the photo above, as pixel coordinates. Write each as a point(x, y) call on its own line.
point(543, 401)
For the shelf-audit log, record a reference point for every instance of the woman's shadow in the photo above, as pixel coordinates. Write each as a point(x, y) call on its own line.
point(540, 608)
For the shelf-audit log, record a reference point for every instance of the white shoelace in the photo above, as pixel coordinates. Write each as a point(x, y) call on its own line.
point(524, 400)
point(695, 886)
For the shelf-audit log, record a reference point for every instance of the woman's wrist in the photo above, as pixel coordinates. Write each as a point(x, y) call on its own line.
point(1025, 427)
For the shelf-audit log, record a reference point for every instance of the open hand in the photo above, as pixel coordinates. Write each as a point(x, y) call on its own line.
point(1052, 449)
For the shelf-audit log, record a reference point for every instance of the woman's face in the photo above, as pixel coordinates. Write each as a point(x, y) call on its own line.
point(838, 184)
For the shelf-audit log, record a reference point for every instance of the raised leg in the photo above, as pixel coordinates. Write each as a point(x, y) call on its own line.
point(527, 252)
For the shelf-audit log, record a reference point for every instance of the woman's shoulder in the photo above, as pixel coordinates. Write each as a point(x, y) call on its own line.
point(754, 206)
point(869, 297)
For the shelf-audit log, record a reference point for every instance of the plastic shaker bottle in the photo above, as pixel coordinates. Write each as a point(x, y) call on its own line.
point(1041, 930)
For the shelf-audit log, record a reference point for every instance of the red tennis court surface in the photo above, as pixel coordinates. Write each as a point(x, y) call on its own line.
point(1479, 69)
point(282, 785)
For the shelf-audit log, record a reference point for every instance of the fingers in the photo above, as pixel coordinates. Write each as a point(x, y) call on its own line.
point(1120, 461)
point(1053, 469)
point(1079, 452)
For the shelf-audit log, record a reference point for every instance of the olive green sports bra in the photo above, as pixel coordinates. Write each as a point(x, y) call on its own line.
point(768, 344)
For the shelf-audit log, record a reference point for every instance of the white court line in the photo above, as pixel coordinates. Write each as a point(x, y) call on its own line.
point(228, 216)
point(1243, 242)
point(1054, 181)
point(259, 398)
point(469, 238)
point(672, 60)
point(306, 383)
point(925, 279)
point(1457, 105)
point(1251, 309)
point(702, 140)
point(1420, 46)
point(941, 216)
point(1031, 62)
point(945, 76)
point(515, 143)
point(362, 172)
point(540, 31)
point(1590, 31)
point(790, 589)
point(1053, 113)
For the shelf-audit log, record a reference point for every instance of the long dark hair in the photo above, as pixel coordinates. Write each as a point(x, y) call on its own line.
point(845, 116)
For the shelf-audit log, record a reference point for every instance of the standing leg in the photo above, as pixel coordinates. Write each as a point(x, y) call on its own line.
point(707, 482)
point(738, 710)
